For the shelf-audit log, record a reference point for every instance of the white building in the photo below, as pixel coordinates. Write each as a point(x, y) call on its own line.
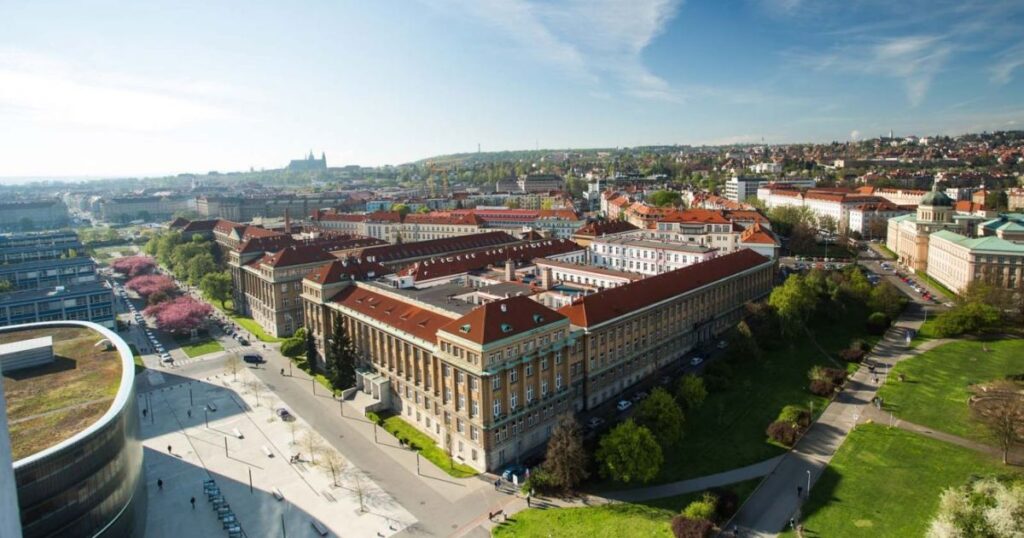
point(739, 188)
point(644, 252)
point(766, 168)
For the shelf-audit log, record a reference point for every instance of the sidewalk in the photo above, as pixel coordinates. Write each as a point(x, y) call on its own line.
point(781, 495)
point(882, 417)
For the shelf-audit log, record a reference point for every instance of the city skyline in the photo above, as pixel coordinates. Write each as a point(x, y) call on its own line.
point(113, 90)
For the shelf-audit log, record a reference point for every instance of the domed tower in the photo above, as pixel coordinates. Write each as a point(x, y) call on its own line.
point(935, 207)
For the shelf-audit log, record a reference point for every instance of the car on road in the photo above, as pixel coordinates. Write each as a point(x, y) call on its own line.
point(623, 405)
point(696, 361)
point(166, 358)
point(243, 341)
point(594, 423)
point(285, 415)
point(514, 470)
point(253, 358)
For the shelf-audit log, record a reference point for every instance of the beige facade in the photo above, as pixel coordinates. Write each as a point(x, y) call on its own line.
point(956, 261)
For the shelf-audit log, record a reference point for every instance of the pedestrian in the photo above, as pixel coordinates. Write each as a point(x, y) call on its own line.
point(169, 449)
point(145, 412)
point(160, 484)
point(497, 483)
point(193, 501)
point(189, 413)
point(528, 501)
point(792, 523)
point(799, 491)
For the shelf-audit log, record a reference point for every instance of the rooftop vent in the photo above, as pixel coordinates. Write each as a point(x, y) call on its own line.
point(504, 308)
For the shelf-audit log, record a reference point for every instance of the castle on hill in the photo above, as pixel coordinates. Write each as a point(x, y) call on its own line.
point(309, 164)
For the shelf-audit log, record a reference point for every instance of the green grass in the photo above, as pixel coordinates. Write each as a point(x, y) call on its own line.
point(651, 518)
point(200, 347)
point(887, 482)
point(948, 293)
point(426, 446)
point(833, 251)
point(935, 392)
point(254, 329)
point(728, 430)
point(887, 250)
point(320, 378)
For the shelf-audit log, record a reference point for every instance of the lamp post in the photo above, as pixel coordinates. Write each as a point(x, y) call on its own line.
point(808, 483)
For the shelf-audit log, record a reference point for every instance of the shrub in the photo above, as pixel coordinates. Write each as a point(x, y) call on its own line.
point(784, 433)
point(852, 355)
point(703, 508)
point(796, 415)
point(683, 527)
point(836, 375)
point(293, 347)
point(374, 418)
point(541, 481)
point(862, 345)
point(821, 387)
point(717, 376)
point(878, 323)
point(728, 503)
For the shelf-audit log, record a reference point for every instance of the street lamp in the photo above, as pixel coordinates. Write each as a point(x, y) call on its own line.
point(808, 483)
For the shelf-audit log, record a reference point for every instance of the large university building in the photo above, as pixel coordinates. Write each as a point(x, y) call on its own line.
point(486, 379)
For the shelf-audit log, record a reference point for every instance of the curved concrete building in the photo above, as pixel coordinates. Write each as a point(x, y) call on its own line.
point(74, 431)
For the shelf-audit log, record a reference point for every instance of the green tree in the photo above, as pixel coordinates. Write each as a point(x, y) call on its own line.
point(5, 286)
point(216, 286)
point(988, 507)
point(340, 357)
point(966, 318)
point(401, 209)
point(566, 458)
point(661, 414)
point(691, 391)
point(629, 453)
point(794, 301)
point(293, 347)
point(887, 299)
point(198, 267)
point(996, 200)
point(664, 198)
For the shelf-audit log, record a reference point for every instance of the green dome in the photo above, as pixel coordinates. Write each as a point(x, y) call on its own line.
point(937, 198)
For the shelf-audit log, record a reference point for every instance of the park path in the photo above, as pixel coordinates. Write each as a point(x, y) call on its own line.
point(780, 496)
point(881, 417)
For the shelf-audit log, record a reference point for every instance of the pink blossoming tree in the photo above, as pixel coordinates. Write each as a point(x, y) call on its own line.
point(147, 285)
point(179, 315)
point(133, 266)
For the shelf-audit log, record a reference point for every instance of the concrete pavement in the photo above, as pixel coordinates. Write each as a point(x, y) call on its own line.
point(781, 495)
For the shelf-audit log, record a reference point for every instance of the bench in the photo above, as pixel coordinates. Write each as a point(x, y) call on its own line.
point(319, 527)
point(267, 451)
point(277, 494)
point(237, 433)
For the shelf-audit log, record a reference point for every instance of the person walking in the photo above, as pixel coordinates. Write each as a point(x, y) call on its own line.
point(528, 501)
point(189, 413)
point(160, 484)
point(169, 451)
point(193, 501)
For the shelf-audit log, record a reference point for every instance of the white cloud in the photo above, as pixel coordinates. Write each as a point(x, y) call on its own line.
point(48, 90)
point(1006, 63)
point(595, 41)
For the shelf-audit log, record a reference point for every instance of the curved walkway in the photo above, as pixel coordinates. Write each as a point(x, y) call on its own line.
point(756, 470)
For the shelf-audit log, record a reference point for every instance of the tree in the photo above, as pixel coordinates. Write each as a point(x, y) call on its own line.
point(629, 453)
point(333, 462)
point(198, 267)
point(664, 198)
point(310, 346)
point(566, 458)
point(147, 285)
point(401, 209)
point(997, 200)
point(232, 364)
point(216, 286)
point(794, 301)
point(828, 224)
point(989, 507)
point(691, 391)
point(966, 318)
point(1003, 416)
point(180, 315)
point(661, 414)
point(684, 527)
point(133, 266)
point(887, 299)
point(5, 286)
point(312, 443)
point(293, 347)
point(702, 508)
point(341, 358)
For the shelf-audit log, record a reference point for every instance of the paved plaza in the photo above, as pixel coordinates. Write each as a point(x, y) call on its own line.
point(232, 450)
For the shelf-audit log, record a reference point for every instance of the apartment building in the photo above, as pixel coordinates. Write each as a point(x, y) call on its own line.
point(247, 208)
point(49, 273)
point(849, 211)
point(625, 333)
point(33, 215)
point(90, 301)
point(20, 248)
point(124, 209)
point(586, 234)
point(646, 253)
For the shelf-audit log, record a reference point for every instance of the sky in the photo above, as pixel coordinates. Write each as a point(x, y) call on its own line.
point(99, 88)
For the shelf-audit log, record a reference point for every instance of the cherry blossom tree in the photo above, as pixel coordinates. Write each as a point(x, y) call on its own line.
point(179, 315)
point(133, 266)
point(147, 285)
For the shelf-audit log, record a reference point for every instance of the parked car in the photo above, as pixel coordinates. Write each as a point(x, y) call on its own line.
point(696, 361)
point(514, 469)
point(243, 341)
point(595, 423)
point(285, 415)
point(253, 358)
point(623, 405)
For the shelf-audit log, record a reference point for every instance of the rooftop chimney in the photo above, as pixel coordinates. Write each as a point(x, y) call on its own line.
point(510, 270)
point(545, 278)
point(287, 222)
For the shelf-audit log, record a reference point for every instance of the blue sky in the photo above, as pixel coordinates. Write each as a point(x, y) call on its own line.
point(125, 88)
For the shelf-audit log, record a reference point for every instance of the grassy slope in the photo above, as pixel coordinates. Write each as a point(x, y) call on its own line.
point(936, 391)
point(643, 519)
point(427, 447)
point(728, 431)
point(886, 482)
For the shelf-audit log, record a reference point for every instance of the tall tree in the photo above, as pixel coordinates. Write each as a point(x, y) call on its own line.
point(1003, 416)
point(566, 458)
point(630, 453)
point(661, 414)
point(341, 357)
point(216, 286)
point(794, 301)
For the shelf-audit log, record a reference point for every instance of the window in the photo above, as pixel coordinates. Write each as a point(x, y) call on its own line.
point(447, 395)
point(513, 401)
point(558, 381)
point(474, 408)
point(447, 370)
point(462, 402)
point(543, 388)
point(544, 364)
point(473, 383)
point(529, 395)
point(474, 434)
point(529, 369)
point(460, 426)
point(513, 375)
point(497, 408)
point(460, 377)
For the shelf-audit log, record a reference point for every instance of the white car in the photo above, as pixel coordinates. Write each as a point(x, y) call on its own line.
point(696, 361)
point(624, 405)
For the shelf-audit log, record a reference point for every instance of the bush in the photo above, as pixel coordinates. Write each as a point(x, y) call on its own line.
point(541, 481)
point(966, 318)
point(821, 387)
point(796, 415)
point(861, 345)
point(703, 508)
point(836, 375)
point(374, 418)
point(728, 503)
point(717, 376)
point(877, 323)
point(784, 433)
point(293, 347)
point(683, 527)
point(852, 355)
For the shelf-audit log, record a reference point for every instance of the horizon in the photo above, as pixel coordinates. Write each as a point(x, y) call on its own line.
point(156, 90)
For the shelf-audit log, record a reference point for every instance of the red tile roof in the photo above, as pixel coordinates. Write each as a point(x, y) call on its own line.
point(502, 319)
point(461, 263)
point(704, 216)
point(406, 317)
point(436, 247)
point(612, 303)
point(757, 234)
point(345, 269)
point(317, 250)
point(598, 228)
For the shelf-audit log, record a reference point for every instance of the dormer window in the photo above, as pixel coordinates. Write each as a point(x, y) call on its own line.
point(505, 327)
point(537, 318)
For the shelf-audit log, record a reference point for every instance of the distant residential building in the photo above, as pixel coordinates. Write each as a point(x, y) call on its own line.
point(1015, 199)
point(722, 230)
point(848, 210)
point(766, 168)
point(541, 183)
point(645, 253)
point(739, 188)
point(27, 216)
point(124, 209)
point(248, 208)
point(586, 234)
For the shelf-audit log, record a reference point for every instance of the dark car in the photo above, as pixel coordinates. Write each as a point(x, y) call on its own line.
point(285, 415)
point(514, 469)
point(243, 341)
point(253, 358)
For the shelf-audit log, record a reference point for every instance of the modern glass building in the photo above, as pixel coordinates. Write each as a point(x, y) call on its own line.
point(77, 464)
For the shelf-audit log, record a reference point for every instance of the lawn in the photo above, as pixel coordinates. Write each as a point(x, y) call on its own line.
point(935, 392)
point(254, 329)
point(199, 347)
point(887, 250)
point(621, 519)
point(887, 482)
point(728, 431)
point(948, 293)
point(834, 250)
point(427, 447)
